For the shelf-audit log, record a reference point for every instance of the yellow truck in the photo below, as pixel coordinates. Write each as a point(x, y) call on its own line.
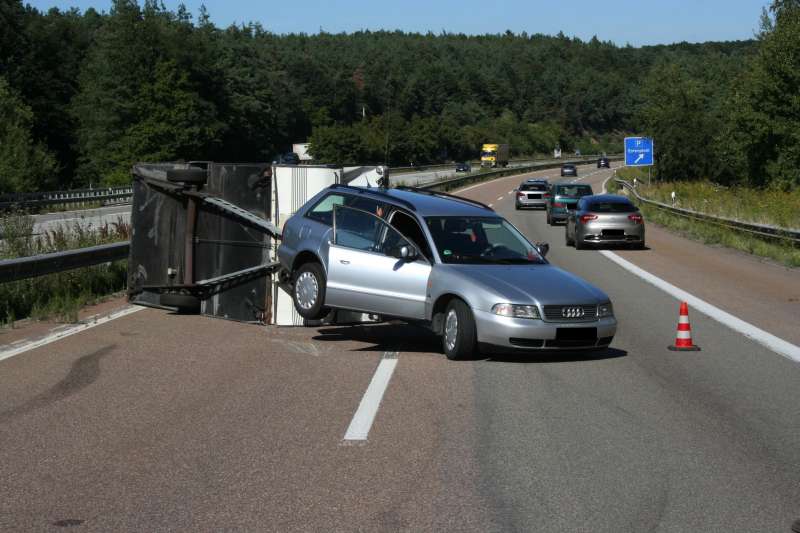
point(494, 155)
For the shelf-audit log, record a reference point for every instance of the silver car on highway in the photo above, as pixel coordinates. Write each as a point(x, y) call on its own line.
point(532, 193)
point(605, 219)
point(446, 262)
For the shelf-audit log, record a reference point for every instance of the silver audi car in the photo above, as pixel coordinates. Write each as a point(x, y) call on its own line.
point(443, 261)
point(532, 193)
point(605, 219)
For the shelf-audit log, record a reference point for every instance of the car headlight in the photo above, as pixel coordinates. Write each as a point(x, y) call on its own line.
point(604, 310)
point(516, 311)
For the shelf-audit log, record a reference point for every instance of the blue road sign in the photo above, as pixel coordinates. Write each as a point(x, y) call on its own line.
point(638, 152)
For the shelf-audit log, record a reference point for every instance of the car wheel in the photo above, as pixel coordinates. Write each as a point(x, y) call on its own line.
point(308, 292)
point(579, 244)
point(641, 245)
point(567, 240)
point(549, 220)
point(458, 331)
point(184, 303)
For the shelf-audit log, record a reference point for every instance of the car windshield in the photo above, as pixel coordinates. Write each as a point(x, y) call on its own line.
point(611, 207)
point(575, 191)
point(488, 153)
point(533, 187)
point(481, 240)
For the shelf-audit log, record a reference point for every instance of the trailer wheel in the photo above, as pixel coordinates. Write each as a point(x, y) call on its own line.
point(308, 291)
point(190, 176)
point(185, 303)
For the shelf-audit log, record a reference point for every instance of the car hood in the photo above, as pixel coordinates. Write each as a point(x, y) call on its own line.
point(543, 284)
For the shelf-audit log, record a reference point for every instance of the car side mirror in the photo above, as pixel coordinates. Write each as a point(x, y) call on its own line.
point(543, 248)
point(405, 252)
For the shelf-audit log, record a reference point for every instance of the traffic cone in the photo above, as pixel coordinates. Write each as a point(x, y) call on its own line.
point(683, 340)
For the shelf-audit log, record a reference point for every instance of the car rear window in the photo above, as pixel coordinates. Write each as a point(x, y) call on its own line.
point(574, 190)
point(611, 207)
point(533, 187)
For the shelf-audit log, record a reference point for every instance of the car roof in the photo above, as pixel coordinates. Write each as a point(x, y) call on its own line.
point(536, 180)
point(425, 203)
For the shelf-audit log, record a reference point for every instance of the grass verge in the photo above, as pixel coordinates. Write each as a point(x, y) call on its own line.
point(60, 295)
point(699, 196)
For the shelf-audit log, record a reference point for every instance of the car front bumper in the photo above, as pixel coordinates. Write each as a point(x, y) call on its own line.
point(538, 335)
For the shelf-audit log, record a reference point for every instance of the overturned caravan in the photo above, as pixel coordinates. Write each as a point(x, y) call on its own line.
point(204, 234)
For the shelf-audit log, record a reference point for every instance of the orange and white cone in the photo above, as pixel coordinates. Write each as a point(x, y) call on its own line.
point(683, 340)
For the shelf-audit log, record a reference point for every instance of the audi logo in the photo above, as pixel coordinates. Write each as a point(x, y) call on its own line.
point(572, 312)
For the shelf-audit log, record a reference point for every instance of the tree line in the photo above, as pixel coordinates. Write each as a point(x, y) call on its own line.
point(85, 95)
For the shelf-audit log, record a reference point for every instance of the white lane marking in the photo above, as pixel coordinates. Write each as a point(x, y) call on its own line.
point(776, 344)
point(491, 205)
point(96, 321)
point(511, 191)
point(365, 414)
point(499, 198)
point(606, 181)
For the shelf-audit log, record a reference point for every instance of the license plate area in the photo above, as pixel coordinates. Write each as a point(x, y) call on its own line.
point(613, 232)
point(534, 197)
point(576, 334)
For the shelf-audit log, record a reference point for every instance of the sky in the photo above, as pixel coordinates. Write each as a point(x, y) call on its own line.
point(635, 22)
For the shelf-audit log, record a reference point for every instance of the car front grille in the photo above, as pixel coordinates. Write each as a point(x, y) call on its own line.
point(570, 313)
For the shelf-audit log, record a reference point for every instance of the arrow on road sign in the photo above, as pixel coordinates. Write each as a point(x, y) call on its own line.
point(641, 156)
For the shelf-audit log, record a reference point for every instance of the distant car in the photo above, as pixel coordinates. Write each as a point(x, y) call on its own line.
point(463, 167)
point(445, 262)
point(605, 219)
point(603, 163)
point(569, 170)
point(563, 198)
point(532, 193)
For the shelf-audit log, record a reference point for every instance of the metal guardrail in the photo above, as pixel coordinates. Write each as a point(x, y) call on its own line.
point(460, 181)
point(39, 265)
point(105, 196)
point(761, 230)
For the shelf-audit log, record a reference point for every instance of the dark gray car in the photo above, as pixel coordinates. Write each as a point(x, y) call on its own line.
point(605, 219)
point(446, 262)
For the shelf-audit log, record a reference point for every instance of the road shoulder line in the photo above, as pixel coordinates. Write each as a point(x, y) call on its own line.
point(91, 322)
point(776, 344)
point(359, 427)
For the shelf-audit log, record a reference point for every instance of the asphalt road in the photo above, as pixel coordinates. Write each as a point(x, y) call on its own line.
point(94, 217)
point(164, 422)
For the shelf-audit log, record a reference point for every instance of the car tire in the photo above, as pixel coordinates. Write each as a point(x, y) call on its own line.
point(567, 240)
point(458, 331)
point(549, 220)
point(579, 244)
point(308, 291)
point(184, 303)
point(641, 246)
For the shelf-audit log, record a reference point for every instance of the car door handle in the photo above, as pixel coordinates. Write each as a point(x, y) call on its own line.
point(344, 261)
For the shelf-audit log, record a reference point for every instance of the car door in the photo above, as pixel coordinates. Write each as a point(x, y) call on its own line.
point(363, 275)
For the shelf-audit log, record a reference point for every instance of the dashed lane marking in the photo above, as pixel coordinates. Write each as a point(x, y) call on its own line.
point(499, 198)
point(359, 427)
point(91, 322)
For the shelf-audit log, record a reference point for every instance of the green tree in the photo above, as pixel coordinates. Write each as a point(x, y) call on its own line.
point(674, 116)
point(764, 126)
point(24, 164)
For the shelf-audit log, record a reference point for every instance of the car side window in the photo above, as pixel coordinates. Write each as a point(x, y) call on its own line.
point(323, 210)
point(364, 231)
